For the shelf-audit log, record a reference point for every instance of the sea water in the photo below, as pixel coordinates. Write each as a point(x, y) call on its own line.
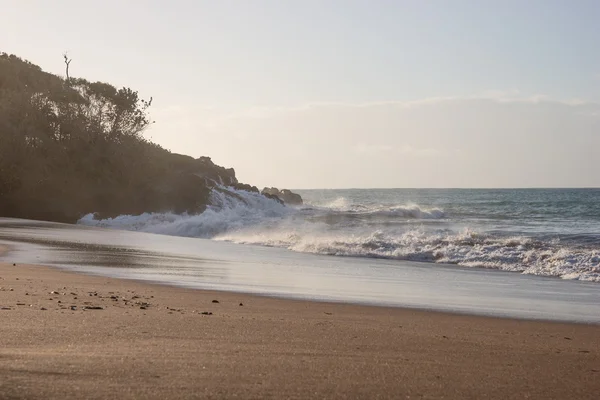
point(523, 253)
point(546, 232)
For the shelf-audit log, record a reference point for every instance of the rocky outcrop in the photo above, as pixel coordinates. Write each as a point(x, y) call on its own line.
point(285, 195)
point(187, 187)
point(183, 185)
point(180, 192)
point(204, 168)
point(246, 187)
point(71, 147)
point(273, 197)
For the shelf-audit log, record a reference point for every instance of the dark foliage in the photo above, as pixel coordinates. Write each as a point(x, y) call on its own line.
point(70, 147)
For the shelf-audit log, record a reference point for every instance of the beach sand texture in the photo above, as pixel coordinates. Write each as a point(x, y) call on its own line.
point(152, 341)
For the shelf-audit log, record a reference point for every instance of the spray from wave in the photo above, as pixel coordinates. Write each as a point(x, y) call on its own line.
point(341, 206)
point(468, 249)
point(230, 210)
point(343, 228)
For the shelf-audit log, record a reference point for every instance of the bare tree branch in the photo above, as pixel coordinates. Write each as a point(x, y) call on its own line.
point(67, 62)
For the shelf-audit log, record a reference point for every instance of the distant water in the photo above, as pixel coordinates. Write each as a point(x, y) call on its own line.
point(547, 232)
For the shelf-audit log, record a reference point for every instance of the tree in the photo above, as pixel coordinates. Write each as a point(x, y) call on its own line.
point(70, 139)
point(67, 63)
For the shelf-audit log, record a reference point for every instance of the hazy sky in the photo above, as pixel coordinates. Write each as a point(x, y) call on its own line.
point(346, 93)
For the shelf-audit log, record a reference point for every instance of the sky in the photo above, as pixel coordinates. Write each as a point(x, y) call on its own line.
point(345, 93)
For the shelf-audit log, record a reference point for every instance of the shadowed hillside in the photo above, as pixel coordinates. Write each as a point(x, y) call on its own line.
point(69, 147)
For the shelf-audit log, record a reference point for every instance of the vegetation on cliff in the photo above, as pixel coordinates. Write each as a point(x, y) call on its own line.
point(69, 147)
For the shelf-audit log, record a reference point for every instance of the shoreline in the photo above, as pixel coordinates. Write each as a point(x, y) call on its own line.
point(152, 341)
point(4, 251)
point(536, 306)
point(364, 304)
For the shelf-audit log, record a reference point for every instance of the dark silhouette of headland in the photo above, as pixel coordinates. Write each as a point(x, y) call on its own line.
point(69, 147)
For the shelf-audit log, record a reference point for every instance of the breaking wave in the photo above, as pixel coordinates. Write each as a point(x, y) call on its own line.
point(230, 210)
point(468, 249)
point(343, 228)
point(342, 207)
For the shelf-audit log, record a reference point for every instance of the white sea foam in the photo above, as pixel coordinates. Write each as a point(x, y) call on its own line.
point(340, 204)
point(227, 213)
point(469, 249)
point(343, 205)
point(340, 228)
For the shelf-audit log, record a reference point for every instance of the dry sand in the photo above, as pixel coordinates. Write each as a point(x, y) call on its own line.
point(151, 341)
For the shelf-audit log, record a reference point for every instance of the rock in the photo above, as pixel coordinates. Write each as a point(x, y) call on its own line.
point(43, 309)
point(241, 304)
point(246, 187)
point(287, 196)
point(215, 301)
point(179, 184)
point(220, 175)
point(290, 197)
point(73, 308)
point(181, 192)
point(93, 308)
point(230, 193)
point(207, 313)
point(272, 197)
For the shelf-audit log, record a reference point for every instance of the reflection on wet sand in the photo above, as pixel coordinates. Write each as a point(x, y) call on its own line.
point(206, 264)
point(71, 253)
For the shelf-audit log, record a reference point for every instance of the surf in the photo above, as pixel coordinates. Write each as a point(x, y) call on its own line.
point(345, 227)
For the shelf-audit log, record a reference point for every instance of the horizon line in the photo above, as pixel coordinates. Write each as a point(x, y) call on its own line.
point(460, 188)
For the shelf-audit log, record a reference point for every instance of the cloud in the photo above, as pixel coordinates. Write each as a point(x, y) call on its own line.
point(506, 139)
point(224, 116)
point(372, 149)
point(500, 96)
point(388, 150)
point(423, 152)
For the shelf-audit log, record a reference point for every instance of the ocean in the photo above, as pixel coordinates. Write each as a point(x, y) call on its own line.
point(545, 232)
point(531, 254)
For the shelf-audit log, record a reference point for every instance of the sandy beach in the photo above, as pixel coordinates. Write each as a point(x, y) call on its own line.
point(67, 335)
point(299, 200)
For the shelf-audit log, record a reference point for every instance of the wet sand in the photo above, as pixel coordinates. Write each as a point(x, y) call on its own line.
point(67, 335)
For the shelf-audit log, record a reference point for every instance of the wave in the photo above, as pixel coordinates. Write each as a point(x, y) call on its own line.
point(343, 206)
point(341, 228)
point(467, 249)
point(230, 210)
